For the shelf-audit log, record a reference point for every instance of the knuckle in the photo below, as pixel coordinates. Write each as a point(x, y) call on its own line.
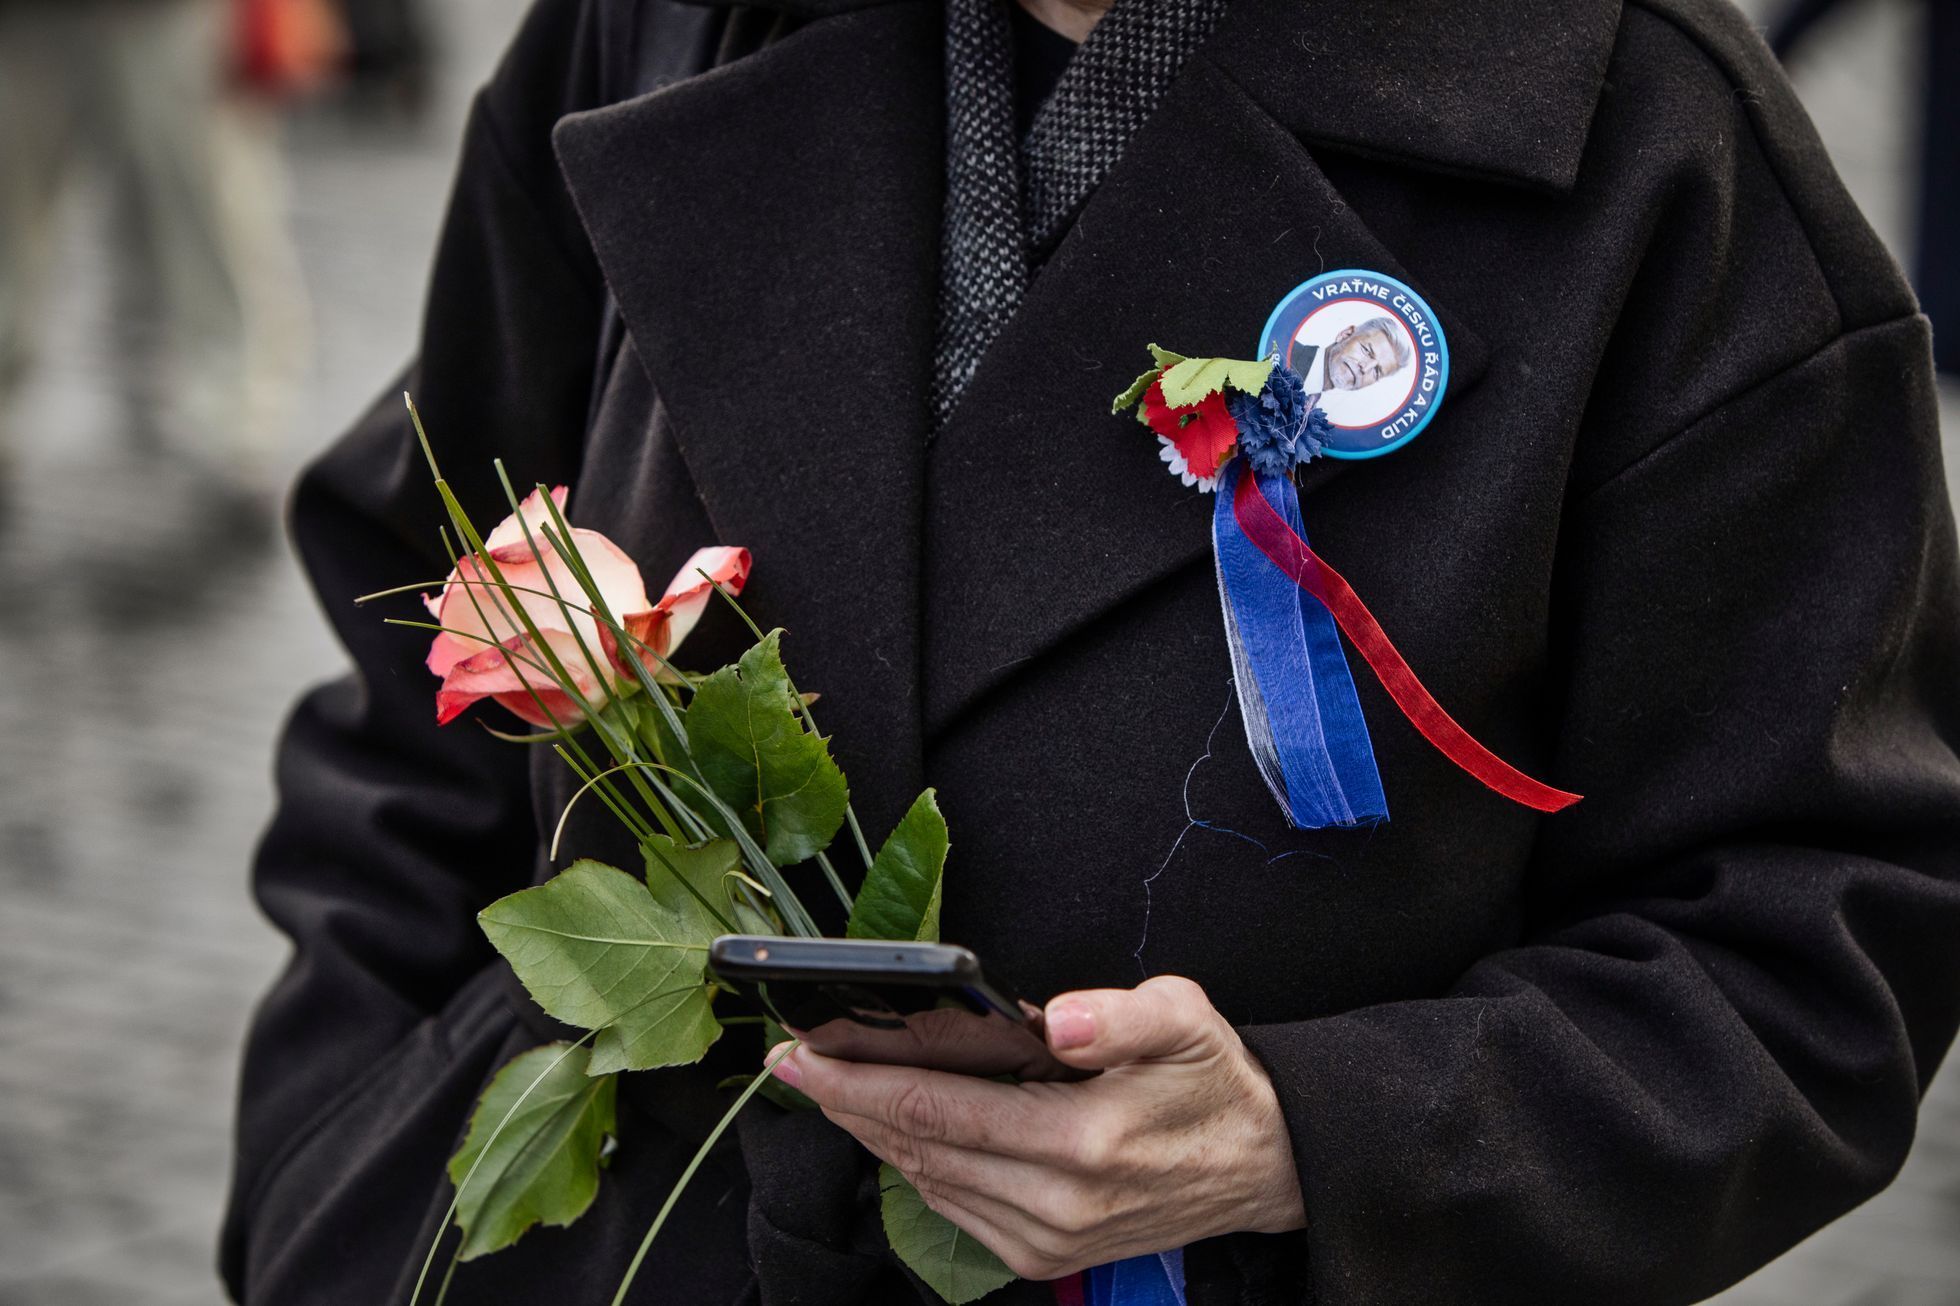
point(1029, 1263)
point(931, 1193)
point(1070, 1210)
point(1096, 1146)
point(1184, 997)
point(1187, 1007)
point(917, 1111)
point(903, 1152)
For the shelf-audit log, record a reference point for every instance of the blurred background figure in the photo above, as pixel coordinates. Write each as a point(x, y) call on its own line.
point(387, 67)
point(209, 318)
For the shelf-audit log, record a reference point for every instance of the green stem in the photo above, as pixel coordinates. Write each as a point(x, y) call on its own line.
point(442, 1290)
point(645, 847)
point(794, 913)
point(687, 1175)
point(470, 1174)
point(836, 882)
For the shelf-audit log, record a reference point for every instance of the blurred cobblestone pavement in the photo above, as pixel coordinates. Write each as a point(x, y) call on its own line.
point(150, 654)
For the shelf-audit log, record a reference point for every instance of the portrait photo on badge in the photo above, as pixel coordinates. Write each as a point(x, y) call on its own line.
point(1370, 350)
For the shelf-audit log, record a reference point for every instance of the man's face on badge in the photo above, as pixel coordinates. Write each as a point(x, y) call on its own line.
point(1357, 360)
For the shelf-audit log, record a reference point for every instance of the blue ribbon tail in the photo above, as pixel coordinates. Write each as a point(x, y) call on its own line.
point(1139, 1281)
point(1302, 718)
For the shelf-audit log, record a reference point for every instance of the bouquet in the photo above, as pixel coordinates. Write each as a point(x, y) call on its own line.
point(733, 800)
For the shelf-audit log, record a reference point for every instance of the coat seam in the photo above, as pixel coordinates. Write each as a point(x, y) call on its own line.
point(1738, 395)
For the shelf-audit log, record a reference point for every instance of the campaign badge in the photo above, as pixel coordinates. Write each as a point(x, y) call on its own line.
point(1371, 353)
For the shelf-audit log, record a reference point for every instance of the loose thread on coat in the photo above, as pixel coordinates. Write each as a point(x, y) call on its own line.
point(1190, 823)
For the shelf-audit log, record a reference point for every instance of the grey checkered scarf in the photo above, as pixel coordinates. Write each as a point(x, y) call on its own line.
point(1005, 198)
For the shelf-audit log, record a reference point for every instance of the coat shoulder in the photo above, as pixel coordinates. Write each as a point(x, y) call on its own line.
point(1693, 88)
point(1725, 244)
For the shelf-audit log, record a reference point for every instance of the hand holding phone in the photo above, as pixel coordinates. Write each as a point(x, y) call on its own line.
point(903, 1004)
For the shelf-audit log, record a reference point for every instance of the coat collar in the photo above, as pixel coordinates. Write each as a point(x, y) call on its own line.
point(1465, 87)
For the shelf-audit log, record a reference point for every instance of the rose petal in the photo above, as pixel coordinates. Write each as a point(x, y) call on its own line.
point(616, 575)
point(688, 593)
point(489, 674)
point(466, 606)
point(641, 627)
point(534, 514)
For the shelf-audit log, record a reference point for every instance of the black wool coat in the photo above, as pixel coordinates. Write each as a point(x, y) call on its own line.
point(1676, 540)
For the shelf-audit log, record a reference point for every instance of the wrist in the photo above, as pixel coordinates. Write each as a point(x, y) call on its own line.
point(1275, 1203)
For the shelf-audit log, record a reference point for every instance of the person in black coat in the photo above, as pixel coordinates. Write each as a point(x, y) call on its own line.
point(1677, 540)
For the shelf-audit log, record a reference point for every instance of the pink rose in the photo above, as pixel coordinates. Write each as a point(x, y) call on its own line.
point(472, 669)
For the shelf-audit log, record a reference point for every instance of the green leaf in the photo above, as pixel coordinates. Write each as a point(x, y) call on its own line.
point(1129, 398)
point(753, 751)
point(1165, 358)
point(1192, 379)
point(954, 1263)
point(900, 895)
point(713, 869)
point(595, 949)
point(542, 1165)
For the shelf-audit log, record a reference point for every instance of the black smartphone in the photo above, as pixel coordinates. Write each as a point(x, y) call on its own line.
point(899, 1004)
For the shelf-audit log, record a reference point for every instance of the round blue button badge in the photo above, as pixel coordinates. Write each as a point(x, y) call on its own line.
point(1370, 349)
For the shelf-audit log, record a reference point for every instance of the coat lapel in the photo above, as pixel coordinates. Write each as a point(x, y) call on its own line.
point(770, 231)
point(1043, 510)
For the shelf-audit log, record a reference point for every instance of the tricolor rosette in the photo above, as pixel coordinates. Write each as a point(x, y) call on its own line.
point(1205, 410)
point(1242, 428)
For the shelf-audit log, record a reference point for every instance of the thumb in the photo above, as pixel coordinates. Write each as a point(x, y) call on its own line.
point(1164, 1019)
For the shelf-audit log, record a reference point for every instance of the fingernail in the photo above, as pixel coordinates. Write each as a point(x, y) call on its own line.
point(788, 1071)
point(1071, 1025)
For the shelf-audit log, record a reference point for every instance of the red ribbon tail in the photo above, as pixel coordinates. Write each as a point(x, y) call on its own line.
point(1291, 554)
point(1070, 1291)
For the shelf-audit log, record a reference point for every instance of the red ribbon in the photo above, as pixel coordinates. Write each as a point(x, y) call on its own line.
point(1274, 538)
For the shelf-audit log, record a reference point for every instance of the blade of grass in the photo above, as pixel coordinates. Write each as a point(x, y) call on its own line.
point(794, 913)
point(647, 848)
point(700, 1155)
point(568, 549)
point(836, 883)
point(517, 512)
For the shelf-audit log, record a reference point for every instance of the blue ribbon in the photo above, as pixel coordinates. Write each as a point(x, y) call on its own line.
point(1302, 718)
point(1139, 1281)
